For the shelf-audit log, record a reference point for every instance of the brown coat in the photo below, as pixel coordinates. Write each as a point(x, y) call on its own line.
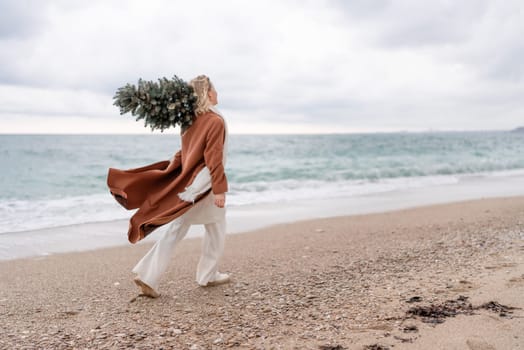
point(154, 188)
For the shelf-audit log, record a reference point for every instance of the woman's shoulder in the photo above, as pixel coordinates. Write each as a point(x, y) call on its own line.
point(212, 118)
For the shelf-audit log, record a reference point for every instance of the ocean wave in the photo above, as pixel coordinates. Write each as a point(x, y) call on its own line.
point(22, 215)
point(292, 190)
point(53, 181)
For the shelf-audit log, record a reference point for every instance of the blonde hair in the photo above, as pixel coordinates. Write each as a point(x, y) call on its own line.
point(201, 85)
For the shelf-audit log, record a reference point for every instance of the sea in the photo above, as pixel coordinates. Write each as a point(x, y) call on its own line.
point(56, 180)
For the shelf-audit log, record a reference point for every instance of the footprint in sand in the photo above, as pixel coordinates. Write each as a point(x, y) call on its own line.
point(475, 344)
point(500, 266)
point(463, 286)
point(515, 281)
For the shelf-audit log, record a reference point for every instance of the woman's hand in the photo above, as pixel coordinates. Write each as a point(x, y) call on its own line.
point(220, 200)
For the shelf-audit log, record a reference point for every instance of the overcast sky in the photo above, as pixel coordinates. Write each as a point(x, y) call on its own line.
point(279, 66)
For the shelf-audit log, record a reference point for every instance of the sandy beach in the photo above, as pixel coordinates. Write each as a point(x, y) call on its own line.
point(446, 276)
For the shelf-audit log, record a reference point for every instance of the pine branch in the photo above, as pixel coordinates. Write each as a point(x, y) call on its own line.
point(163, 104)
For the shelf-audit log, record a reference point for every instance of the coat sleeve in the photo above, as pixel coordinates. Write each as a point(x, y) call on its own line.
point(213, 155)
point(177, 159)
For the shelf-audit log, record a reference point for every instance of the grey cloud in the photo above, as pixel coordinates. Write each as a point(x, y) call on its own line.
point(35, 111)
point(414, 24)
point(256, 66)
point(505, 64)
point(7, 77)
point(495, 51)
point(20, 18)
point(449, 24)
point(438, 31)
point(311, 110)
point(360, 9)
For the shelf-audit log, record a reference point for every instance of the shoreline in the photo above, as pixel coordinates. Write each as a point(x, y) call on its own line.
point(95, 235)
point(333, 281)
point(101, 207)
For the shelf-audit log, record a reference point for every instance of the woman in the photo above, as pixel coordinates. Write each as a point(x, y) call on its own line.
point(189, 189)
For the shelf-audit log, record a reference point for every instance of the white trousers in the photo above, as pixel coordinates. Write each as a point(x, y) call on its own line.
point(150, 268)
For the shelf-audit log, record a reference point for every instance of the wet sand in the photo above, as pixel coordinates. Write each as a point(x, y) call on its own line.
point(338, 283)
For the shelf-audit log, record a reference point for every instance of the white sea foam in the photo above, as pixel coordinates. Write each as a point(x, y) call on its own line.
point(262, 169)
point(291, 190)
point(242, 218)
point(23, 215)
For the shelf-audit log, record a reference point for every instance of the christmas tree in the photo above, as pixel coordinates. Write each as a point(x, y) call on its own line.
point(163, 104)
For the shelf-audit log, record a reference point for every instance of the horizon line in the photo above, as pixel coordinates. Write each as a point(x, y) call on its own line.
point(273, 134)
